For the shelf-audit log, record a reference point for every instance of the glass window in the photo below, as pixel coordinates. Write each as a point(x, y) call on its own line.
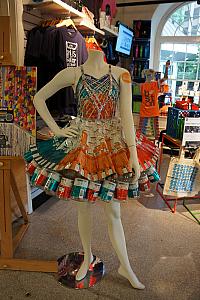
point(184, 21)
point(184, 72)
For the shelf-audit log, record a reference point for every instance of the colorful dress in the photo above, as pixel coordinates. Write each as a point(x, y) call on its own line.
point(95, 163)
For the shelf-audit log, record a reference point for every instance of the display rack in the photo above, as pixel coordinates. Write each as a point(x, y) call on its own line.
point(141, 49)
point(58, 7)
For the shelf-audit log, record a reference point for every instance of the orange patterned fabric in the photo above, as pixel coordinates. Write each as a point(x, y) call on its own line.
point(90, 110)
point(95, 159)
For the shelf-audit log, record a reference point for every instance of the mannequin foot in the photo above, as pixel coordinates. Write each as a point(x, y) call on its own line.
point(84, 268)
point(131, 278)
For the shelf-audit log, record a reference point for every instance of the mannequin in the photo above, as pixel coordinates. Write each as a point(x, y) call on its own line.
point(96, 67)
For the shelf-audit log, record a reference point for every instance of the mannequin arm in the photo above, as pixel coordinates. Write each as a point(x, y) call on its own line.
point(167, 65)
point(127, 120)
point(63, 79)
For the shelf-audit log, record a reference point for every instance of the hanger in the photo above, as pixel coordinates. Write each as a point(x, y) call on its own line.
point(67, 22)
point(49, 22)
point(92, 40)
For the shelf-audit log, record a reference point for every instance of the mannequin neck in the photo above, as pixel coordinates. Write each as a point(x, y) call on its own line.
point(96, 61)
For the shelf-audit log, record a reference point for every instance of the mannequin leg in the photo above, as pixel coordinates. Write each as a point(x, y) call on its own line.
point(116, 234)
point(85, 231)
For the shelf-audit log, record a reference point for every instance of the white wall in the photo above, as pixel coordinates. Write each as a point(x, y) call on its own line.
point(127, 14)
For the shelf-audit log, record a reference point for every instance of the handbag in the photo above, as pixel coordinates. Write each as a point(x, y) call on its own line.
point(183, 176)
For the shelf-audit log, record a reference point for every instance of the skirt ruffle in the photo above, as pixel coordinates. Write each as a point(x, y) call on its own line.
point(93, 165)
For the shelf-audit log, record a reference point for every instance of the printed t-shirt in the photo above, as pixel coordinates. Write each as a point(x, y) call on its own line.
point(149, 107)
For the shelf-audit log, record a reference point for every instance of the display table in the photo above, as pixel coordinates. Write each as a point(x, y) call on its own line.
point(8, 185)
point(159, 187)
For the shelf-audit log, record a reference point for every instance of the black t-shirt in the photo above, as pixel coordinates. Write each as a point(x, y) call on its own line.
point(52, 49)
point(71, 49)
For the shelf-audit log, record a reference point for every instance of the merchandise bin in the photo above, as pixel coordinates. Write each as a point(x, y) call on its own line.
point(175, 121)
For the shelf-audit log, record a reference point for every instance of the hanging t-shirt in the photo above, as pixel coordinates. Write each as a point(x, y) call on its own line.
point(52, 49)
point(113, 7)
point(71, 48)
point(149, 107)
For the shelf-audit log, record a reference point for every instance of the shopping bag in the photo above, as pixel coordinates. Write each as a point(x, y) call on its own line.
point(183, 177)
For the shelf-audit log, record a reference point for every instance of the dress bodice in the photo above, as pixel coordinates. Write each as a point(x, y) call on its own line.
point(97, 97)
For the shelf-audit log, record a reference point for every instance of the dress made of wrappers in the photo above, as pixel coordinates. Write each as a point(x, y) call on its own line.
point(94, 164)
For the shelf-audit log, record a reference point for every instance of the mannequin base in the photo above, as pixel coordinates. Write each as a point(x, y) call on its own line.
point(68, 266)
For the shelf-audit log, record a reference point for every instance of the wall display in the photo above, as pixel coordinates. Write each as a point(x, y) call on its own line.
point(141, 48)
point(17, 89)
point(191, 133)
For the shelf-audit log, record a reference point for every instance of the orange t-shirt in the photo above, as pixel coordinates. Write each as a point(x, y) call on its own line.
point(149, 106)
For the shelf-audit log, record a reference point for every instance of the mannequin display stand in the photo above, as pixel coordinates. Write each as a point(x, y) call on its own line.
point(68, 266)
point(104, 93)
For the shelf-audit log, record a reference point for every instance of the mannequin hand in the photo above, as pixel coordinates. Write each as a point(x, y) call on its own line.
point(137, 172)
point(133, 162)
point(71, 131)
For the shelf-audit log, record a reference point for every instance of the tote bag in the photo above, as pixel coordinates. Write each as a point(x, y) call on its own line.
point(183, 177)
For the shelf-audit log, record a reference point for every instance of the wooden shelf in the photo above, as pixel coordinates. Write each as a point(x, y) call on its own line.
point(58, 7)
point(109, 31)
point(85, 25)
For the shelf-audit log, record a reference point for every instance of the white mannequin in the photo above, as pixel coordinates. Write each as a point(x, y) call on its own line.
point(96, 67)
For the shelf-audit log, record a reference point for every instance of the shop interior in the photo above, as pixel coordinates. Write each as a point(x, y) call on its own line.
point(154, 46)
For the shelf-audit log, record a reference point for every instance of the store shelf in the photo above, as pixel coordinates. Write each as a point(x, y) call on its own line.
point(84, 25)
point(141, 58)
point(109, 31)
point(58, 7)
point(142, 39)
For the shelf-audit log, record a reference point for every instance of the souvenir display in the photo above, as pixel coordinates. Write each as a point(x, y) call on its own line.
point(17, 89)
